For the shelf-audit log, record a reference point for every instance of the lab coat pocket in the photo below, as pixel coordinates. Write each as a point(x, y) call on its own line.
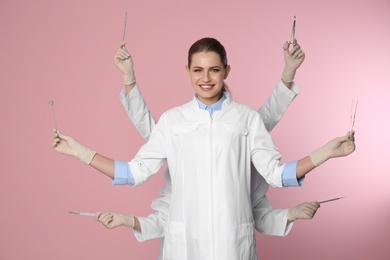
point(236, 128)
point(174, 242)
point(184, 137)
point(246, 242)
point(234, 136)
point(184, 128)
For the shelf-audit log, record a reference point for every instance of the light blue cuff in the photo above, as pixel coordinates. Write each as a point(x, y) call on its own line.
point(289, 175)
point(123, 174)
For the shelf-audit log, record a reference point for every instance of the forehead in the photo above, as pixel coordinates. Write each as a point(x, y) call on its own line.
point(206, 59)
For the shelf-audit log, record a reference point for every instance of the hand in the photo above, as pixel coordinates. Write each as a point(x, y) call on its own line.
point(342, 146)
point(69, 146)
point(292, 59)
point(338, 147)
point(124, 63)
point(113, 220)
point(306, 210)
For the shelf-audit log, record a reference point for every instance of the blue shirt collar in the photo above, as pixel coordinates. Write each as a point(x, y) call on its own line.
point(211, 108)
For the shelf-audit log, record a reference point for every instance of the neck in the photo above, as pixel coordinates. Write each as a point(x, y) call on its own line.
point(210, 101)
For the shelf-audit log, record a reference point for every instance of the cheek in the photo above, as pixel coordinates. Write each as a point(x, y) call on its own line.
point(195, 78)
point(218, 77)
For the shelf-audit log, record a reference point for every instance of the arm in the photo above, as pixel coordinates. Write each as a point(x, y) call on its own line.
point(285, 92)
point(275, 222)
point(148, 161)
point(279, 222)
point(138, 112)
point(153, 226)
point(266, 158)
point(338, 147)
point(268, 220)
point(131, 97)
point(276, 105)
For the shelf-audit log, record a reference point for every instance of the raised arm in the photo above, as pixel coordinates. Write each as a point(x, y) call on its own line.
point(286, 90)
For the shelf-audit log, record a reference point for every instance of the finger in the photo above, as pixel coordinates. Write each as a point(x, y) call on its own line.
point(124, 53)
point(286, 45)
point(62, 136)
point(106, 219)
point(97, 216)
point(121, 57)
point(301, 56)
point(351, 135)
point(104, 216)
point(316, 204)
point(55, 143)
point(297, 53)
point(295, 48)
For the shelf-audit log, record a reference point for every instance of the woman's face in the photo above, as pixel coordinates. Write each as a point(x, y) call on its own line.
point(207, 75)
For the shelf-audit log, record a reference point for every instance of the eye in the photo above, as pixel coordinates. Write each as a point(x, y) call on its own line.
point(215, 70)
point(197, 70)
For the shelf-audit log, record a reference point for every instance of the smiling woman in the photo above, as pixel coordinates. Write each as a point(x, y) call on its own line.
point(208, 68)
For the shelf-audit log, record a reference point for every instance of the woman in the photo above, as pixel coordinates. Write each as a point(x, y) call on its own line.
point(209, 144)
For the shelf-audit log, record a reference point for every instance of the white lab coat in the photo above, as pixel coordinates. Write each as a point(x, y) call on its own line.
point(211, 213)
point(268, 221)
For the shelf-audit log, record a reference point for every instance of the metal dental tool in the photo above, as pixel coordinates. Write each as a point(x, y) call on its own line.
point(353, 113)
point(83, 213)
point(325, 201)
point(51, 103)
point(124, 29)
point(292, 37)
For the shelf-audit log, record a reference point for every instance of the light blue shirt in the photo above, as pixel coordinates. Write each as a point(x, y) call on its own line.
point(123, 174)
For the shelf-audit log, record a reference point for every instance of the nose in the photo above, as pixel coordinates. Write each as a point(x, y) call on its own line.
point(206, 76)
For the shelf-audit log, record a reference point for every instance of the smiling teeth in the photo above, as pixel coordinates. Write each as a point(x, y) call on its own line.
point(206, 87)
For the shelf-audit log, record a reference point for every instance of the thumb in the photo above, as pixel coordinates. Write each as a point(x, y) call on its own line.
point(123, 46)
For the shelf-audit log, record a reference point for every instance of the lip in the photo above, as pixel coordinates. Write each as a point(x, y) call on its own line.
point(206, 87)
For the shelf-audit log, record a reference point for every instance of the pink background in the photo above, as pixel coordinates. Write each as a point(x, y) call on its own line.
point(63, 51)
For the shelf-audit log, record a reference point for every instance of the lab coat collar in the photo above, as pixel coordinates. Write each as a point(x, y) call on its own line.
point(226, 101)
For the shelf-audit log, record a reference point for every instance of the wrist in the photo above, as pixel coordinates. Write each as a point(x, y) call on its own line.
point(128, 220)
point(85, 155)
point(319, 156)
point(129, 79)
point(288, 75)
point(290, 215)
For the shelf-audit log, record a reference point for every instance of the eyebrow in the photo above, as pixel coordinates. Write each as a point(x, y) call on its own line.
point(213, 67)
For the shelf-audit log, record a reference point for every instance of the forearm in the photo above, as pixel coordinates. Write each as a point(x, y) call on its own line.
point(287, 84)
point(304, 166)
point(137, 225)
point(128, 88)
point(104, 165)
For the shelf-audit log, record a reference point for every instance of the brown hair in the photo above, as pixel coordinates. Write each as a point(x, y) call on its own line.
point(209, 45)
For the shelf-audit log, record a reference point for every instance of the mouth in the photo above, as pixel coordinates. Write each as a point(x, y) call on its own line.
point(206, 87)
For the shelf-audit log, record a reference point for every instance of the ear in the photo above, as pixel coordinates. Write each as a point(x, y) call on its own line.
point(227, 71)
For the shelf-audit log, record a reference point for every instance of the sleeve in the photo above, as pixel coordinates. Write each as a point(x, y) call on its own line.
point(264, 154)
point(152, 155)
point(268, 221)
point(153, 226)
point(271, 222)
point(138, 112)
point(276, 105)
